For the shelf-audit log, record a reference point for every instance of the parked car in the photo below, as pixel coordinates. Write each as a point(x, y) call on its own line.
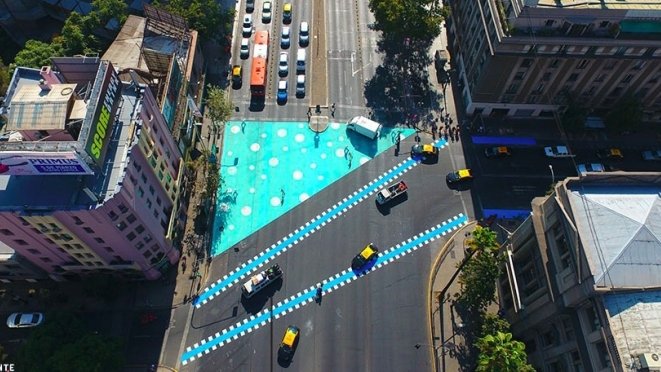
point(652, 155)
point(286, 13)
point(247, 25)
point(304, 34)
point(245, 48)
point(282, 92)
point(266, 12)
point(237, 77)
point(300, 86)
point(497, 152)
point(25, 320)
point(285, 41)
point(283, 66)
point(460, 175)
point(590, 167)
point(367, 255)
point(250, 6)
point(557, 152)
point(289, 343)
point(612, 154)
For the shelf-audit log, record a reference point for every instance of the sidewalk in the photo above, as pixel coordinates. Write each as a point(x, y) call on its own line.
point(449, 348)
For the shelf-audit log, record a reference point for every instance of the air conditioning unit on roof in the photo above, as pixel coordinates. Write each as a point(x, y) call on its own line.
point(651, 361)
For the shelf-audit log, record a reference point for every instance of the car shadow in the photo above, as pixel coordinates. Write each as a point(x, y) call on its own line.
point(256, 303)
point(367, 267)
point(384, 209)
point(460, 186)
point(433, 159)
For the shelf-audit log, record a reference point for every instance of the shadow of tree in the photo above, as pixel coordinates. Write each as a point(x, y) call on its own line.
point(466, 353)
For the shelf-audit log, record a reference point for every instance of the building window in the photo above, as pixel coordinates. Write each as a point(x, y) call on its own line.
point(6, 232)
point(45, 259)
point(99, 240)
point(78, 246)
point(151, 189)
point(108, 249)
point(627, 78)
point(540, 88)
point(149, 204)
point(603, 24)
point(89, 255)
point(583, 64)
point(130, 236)
point(24, 222)
point(592, 319)
point(546, 76)
point(639, 65)
point(147, 254)
point(527, 62)
point(139, 229)
point(573, 77)
point(550, 337)
point(130, 218)
point(600, 78)
point(33, 251)
point(555, 63)
point(519, 75)
point(122, 208)
point(79, 255)
point(20, 242)
point(147, 238)
point(143, 177)
point(609, 65)
point(88, 230)
point(512, 88)
point(77, 220)
point(133, 180)
point(49, 241)
point(158, 201)
point(155, 214)
point(140, 245)
point(141, 192)
point(549, 23)
point(113, 216)
point(602, 355)
point(154, 248)
point(66, 237)
point(121, 226)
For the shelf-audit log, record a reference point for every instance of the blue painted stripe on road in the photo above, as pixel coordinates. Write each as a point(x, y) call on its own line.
point(504, 140)
point(329, 285)
point(506, 213)
point(309, 228)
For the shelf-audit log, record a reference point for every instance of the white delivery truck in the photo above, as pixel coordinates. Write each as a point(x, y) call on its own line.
point(362, 125)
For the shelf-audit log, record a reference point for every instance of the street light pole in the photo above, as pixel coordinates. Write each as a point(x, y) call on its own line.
point(552, 175)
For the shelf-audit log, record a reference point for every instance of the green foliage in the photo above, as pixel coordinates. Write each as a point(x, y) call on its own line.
point(36, 54)
point(5, 78)
point(75, 35)
point(478, 276)
point(573, 119)
point(399, 19)
point(205, 16)
point(492, 324)
point(105, 10)
point(627, 114)
point(218, 104)
point(499, 352)
point(63, 344)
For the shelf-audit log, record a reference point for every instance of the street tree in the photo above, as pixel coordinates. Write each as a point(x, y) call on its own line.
point(205, 16)
point(400, 19)
point(63, 343)
point(219, 105)
point(492, 324)
point(627, 114)
point(37, 53)
point(479, 274)
point(75, 35)
point(105, 10)
point(499, 352)
point(573, 119)
point(5, 78)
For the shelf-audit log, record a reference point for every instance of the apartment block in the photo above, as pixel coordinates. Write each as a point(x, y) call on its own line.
point(89, 173)
point(521, 58)
point(582, 279)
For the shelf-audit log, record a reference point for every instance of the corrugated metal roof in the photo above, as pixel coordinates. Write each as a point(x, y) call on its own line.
point(34, 108)
point(621, 234)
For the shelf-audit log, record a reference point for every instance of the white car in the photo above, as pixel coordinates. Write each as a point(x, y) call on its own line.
point(304, 34)
point(25, 320)
point(266, 12)
point(247, 25)
point(300, 86)
point(283, 66)
point(557, 152)
point(285, 40)
point(245, 48)
point(590, 167)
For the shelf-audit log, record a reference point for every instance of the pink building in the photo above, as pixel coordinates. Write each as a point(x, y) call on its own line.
point(89, 173)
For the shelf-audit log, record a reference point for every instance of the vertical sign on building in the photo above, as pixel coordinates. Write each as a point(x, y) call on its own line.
point(104, 116)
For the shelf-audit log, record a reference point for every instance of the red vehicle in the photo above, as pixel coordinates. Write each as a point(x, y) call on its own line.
point(259, 64)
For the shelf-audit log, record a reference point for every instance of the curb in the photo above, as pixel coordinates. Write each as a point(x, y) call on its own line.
point(430, 285)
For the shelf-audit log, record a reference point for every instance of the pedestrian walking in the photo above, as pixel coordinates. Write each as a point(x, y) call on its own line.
point(282, 196)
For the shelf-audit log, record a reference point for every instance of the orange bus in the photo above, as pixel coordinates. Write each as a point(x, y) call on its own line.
point(259, 64)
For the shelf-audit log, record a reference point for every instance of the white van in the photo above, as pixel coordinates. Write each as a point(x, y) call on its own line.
point(362, 125)
point(300, 61)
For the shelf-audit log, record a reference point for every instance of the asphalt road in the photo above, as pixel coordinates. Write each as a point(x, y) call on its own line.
point(371, 324)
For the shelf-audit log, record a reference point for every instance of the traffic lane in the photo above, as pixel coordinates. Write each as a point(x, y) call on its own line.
point(345, 78)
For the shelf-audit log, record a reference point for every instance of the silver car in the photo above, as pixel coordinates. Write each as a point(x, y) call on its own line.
point(247, 25)
point(304, 35)
point(283, 65)
point(300, 86)
point(25, 320)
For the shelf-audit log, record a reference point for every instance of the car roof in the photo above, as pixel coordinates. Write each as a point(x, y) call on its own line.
point(283, 55)
point(285, 30)
point(290, 336)
point(245, 41)
point(247, 18)
point(300, 78)
point(304, 26)
point(236, 69)
point(464, 173)
point(282, 84)
point(287, 7)
point(267, 4)
point(367, 252)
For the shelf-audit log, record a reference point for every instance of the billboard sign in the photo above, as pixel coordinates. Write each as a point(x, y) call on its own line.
point(103, 119)
point(34, 163)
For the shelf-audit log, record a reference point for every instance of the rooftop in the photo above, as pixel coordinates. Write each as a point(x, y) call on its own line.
point(619, 225)
point(652, 5)
point(36, 107)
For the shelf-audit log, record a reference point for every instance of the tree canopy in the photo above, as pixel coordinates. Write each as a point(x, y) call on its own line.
point(63, 344)
point(205, 16)
point(36, 54)
point(499, 352)
point(218, 104)
point(400, 19)
point(627, 114)
point(479, 275)
point(573, 119)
